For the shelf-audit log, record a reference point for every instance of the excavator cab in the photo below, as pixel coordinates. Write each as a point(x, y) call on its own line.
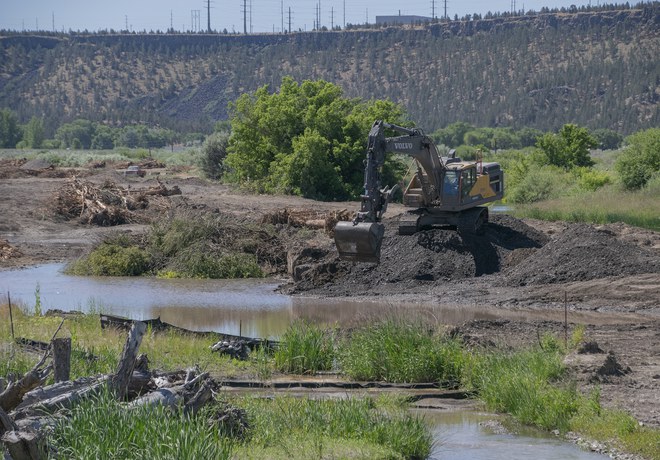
point(359, 241)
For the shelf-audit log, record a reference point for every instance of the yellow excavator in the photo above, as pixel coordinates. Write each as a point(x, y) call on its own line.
point(444, 192)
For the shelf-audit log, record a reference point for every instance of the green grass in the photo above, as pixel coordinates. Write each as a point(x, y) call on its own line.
point(287, 427)
point(606, 205)
point(398, 351)
point(305, 348)
point(602, 424)
point(105, 429)
point(530, 384)
point(526, 384)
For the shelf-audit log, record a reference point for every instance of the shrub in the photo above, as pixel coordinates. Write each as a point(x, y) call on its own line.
point(640, 161)
point(589, 179)
point(110, 259)
point(537, 184)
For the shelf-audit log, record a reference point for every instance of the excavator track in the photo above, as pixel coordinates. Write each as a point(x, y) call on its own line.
point(472, 221)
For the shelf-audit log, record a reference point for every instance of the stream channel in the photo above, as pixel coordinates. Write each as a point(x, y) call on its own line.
point(253, 308)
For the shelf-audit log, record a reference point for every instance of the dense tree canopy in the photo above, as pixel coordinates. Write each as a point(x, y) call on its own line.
point(641, 159)
point(10, 130)
point(305, 139)
point(569, 148)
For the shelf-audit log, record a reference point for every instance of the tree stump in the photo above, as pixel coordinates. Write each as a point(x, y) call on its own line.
point(62, 359)
point(119, 382)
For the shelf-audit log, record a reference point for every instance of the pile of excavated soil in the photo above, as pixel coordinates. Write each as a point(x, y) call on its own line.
point(431, 256)
point(580, 253)
point(510, 252)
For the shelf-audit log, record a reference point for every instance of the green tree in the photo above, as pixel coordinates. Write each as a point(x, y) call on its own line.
point(452, 135)
point(568, 148)
point(34, 133)
point(80, 129)
point(640, 161)
point(10, 131)
point(273, 134)
point(607, 139)
point(103, 139)
point(308, 170)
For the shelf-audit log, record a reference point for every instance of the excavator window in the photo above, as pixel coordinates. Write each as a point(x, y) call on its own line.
point(468, 179)
point(450, 186)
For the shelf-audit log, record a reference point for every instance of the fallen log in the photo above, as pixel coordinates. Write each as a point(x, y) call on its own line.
point(13, 394)
point(63, 395)
point(6, 423)
point(157, 325)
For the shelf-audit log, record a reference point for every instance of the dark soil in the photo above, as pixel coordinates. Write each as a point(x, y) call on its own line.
point(510, 253)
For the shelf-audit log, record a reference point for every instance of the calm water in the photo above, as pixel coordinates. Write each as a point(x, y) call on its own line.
point(251, 307)
point(254, 308)
point(459, 435)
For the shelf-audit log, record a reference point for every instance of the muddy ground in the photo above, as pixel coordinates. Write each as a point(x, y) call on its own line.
point(607, 276)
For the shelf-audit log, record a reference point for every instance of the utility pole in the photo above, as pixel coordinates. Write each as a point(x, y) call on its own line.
point(245, 17)
point(432, 9)
point(53, 18)
point(126, 19)
point(250, 7)
point(366, 17)
point(171, 21)
point(332, 18)
point(446, 10)
point(344, 14)
point(289, 19)
point(282, 14)
point(208, 16)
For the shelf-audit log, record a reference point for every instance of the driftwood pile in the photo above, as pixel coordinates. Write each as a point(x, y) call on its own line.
point(307, 218)
point(27, 408)
point(108, 204)
point(7, 251)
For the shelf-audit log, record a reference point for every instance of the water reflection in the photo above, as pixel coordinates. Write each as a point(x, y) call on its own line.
point(250, 307)
point(460, 435)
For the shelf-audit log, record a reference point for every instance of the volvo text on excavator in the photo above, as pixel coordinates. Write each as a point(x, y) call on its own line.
point(444, 191)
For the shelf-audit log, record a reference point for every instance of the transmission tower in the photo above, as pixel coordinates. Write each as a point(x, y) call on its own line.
point(432, 9)
point(289, 19)
point(208, 16)
point(446, 10)
point(332, 18)
point(245, 17)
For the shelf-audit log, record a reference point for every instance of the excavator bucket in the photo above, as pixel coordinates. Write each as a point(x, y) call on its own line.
point(359, 242)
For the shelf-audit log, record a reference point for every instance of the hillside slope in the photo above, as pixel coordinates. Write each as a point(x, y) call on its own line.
point(599, 69)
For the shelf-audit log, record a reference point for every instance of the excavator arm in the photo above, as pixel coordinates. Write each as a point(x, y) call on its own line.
point(361, 239)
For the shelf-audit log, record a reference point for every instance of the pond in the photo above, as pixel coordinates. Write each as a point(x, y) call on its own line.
point(251, 307)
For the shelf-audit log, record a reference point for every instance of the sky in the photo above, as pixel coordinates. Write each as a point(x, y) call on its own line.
point(266, 15)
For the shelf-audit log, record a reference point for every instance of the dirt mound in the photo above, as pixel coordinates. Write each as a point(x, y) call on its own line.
point(513, 253)
point(583, 252)
point(431, 256)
